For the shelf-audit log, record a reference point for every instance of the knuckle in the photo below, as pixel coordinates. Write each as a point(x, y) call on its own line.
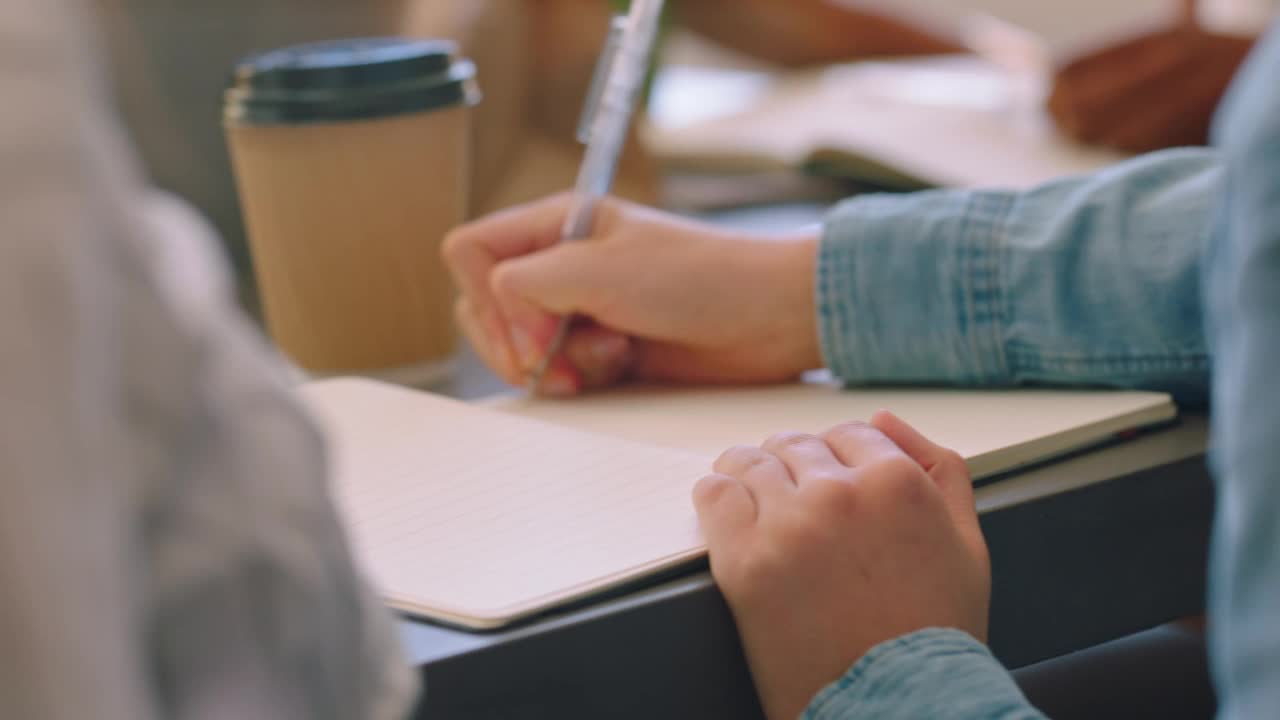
point(897, 467)
point(828, 477)
point(735, 459)
point(712, 487)
point(837, 495)
point(787, 440)
point(760, 461)
point(848, 432)
point(856, 427)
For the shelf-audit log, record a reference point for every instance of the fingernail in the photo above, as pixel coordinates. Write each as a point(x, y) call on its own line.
point(558, 384)
point(605, 350)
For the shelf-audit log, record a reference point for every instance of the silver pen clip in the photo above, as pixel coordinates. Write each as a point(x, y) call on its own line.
point(590, 108)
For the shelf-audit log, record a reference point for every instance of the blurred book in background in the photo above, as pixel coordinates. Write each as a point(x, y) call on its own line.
point(953, 121)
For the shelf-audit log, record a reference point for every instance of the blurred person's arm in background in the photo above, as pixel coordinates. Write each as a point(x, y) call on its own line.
point(1153, 91)
point(168, 548)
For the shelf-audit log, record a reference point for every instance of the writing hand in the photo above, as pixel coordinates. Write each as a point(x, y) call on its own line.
point(662, 298)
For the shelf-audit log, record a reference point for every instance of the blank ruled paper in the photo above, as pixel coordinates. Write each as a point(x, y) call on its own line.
point(478, 518)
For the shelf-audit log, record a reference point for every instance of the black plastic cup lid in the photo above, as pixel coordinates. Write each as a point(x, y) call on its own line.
point(342, 80)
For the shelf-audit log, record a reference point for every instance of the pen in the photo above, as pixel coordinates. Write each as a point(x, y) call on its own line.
point(620, 75)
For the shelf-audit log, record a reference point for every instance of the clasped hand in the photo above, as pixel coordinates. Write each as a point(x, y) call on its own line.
point(826, 546)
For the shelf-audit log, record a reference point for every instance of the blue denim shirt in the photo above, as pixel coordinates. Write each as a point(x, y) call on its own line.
point(1094, 280)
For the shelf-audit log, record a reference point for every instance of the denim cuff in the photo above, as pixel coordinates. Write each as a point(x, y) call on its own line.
point(935, 672)
point(908, 288)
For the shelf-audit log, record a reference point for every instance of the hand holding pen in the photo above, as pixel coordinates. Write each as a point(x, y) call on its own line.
point(656, 298)
point(620, 75)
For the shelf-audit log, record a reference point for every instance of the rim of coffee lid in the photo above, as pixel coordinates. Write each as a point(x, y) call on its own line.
point(352, 79)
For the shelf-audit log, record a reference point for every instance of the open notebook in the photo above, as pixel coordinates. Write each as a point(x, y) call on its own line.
point(482, 516)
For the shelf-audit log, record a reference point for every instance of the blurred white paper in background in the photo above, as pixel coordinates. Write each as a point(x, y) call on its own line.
point(1066, 27)
point(954, 121)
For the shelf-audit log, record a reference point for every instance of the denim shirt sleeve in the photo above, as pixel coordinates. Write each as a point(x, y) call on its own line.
point(932, 673)
point(1243, 297)
point(1091, 281)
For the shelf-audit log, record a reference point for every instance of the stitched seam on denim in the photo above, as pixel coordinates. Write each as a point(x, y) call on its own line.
point(978, 285)
point(841, 283)
point(883, 209)
point(1040, 359)
point(844, 286)
point(997, 238)
point(965, 250)
point(978, 237)
point(834, 311)
point(1025, 347)
point(1170, 359)
point(821, 299)
point(1028, 351)
point(999, 242)
point(839, 265)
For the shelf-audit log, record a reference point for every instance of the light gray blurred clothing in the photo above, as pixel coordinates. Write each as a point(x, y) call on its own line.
point(168, 547)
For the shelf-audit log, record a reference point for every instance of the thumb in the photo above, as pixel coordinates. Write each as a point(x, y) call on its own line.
point(945, 466)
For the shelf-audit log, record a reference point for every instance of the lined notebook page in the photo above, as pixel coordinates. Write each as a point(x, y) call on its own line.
point(478, 518)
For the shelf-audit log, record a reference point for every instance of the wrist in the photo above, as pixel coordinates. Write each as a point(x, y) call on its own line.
point(789, 265)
